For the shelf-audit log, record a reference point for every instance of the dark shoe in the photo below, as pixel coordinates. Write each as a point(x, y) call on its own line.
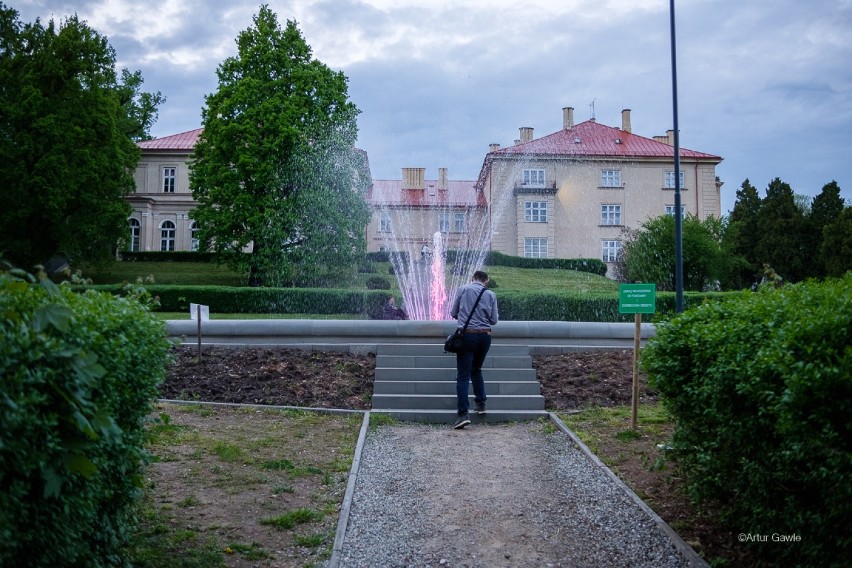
point(461, 422)
point(480, 408)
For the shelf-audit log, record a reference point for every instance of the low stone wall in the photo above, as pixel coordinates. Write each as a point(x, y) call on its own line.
point(362, 336)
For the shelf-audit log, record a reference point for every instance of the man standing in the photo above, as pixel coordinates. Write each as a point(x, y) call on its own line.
point(477, 342)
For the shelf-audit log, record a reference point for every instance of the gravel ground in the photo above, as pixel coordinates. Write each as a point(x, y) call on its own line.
point(510, 495)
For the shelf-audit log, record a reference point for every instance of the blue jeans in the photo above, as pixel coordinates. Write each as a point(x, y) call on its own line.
point(469, 369)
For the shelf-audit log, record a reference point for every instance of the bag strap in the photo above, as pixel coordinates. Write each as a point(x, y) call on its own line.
point(473, 309)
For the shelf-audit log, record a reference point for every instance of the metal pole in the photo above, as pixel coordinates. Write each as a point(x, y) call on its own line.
point(677, 205)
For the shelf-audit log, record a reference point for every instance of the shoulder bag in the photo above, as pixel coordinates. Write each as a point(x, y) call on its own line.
point(455, 341)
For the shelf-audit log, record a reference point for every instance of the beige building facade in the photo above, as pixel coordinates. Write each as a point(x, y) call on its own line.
point(570, 194)
point(407, 213)
point(162, 201)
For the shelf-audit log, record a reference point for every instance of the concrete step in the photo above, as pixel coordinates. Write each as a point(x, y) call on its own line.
point(448, 417)
point(406, 388)
point(431, 361)
point(447, 374)
point(437, 349)
point(448, 402)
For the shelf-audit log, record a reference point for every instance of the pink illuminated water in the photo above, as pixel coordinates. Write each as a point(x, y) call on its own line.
point(437, 283)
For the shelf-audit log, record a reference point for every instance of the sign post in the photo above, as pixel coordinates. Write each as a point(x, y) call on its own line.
point(636, 299)
point(201, 313)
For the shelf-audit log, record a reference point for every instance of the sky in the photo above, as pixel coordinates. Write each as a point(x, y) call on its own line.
point(765, 84)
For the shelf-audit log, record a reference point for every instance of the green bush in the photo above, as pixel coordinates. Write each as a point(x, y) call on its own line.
point(378, 283)
point(245, 300)
point(760, 385)
point(167, 256)
point(80, 372)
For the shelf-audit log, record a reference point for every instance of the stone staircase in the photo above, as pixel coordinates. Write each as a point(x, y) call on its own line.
point(417, 382)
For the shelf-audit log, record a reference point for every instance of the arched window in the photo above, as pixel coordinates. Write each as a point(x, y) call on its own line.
point(135, 231)
point(167, 236)
point(193, 236)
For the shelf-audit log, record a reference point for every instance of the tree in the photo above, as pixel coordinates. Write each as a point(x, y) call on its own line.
point(740, 236)
point(66, 151)
point(826, 209)
point(781, 233)
point(836, 249)
point(275, 171)
point(648, 255)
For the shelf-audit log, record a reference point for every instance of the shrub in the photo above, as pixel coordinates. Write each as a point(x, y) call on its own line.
point(79, 375)
point(378, 283)
point(760, 385)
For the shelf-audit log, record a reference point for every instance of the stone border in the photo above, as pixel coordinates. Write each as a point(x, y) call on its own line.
point(687, 551)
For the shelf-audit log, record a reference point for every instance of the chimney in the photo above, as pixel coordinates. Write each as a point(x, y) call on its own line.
point(442, 178)
point(567, 118)
point(670, 137)
point(493, 147)
point(413, 178)
point(663, 139)
point(526, 134)
point(625, 120)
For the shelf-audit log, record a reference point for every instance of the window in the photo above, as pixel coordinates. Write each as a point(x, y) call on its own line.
point(610, 178)
point(385, 222)
point(670, 180)
point(460, 225)
point(193, 236)
point(169, 180)
point(610, 214)
point(610, 250)
point(533, 178)
point(670, 210)
point(535, 211)
point(444, 221)
point(167, 236)
point(135, 230)
point(535, 248)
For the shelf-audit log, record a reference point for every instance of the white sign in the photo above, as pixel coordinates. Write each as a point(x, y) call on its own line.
point(194, 312)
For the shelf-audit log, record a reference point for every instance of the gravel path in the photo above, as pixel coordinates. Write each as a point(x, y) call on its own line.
point(510, 495)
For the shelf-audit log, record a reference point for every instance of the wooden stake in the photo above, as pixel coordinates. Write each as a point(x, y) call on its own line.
point(198, 316)
point(634, 404)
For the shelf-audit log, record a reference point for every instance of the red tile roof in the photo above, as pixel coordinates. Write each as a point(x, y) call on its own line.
point(590, 139)
point(389, 193)
point(185, 141)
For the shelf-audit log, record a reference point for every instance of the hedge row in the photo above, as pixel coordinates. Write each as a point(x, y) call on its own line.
point(80, 373)
point(163, 256)
point(760, 386)
point(245, 300)
point(527, 306)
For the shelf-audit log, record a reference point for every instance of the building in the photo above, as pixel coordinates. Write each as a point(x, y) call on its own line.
point(407, 213)
point(162, 200)
point(569, 194)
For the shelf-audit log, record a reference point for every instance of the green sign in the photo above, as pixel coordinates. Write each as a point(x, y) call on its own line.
point(637, 298)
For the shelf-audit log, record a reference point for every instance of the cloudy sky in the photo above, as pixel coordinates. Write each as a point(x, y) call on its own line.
point(766, 84)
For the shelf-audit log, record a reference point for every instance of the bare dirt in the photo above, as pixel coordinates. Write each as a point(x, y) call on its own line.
point(570, 382)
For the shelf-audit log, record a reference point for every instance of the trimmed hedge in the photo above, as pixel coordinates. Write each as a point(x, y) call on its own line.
point(760, 385)
point(163, 256)
point(80, 373)
point(244, 300)
point(518, 306)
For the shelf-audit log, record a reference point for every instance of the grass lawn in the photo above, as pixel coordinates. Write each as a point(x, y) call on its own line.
point(196, 273)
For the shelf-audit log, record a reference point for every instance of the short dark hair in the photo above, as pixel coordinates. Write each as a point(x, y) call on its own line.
point(480, 275)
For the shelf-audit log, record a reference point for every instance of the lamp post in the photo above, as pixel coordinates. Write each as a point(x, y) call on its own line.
point(677, 212)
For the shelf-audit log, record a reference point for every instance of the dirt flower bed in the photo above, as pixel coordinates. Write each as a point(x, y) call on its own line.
point(224, 524)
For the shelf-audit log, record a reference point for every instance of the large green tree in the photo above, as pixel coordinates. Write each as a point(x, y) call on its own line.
point(741, 234)
point(782, 233)
point(836, 247)
point(826, 208)
point(279, 183)
point(67, 129)
point(648, 254)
